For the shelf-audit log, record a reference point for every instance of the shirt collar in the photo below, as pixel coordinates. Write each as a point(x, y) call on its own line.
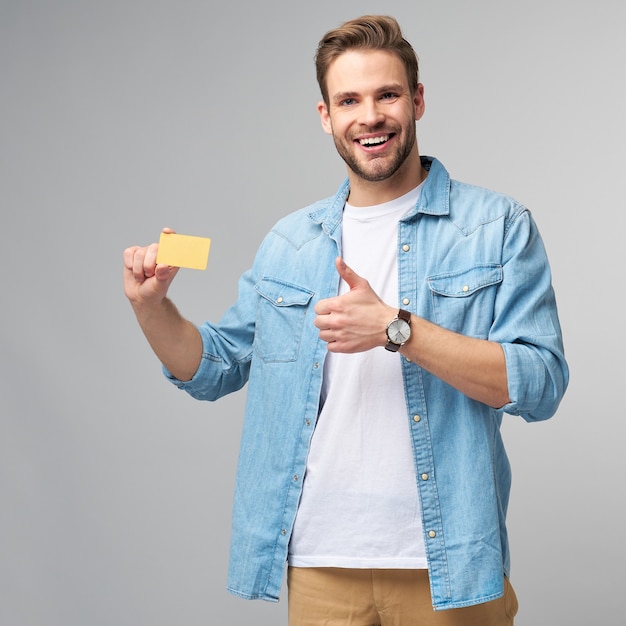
point(434, 198)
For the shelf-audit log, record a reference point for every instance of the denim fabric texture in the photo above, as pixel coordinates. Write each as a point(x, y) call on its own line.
point(470, 260)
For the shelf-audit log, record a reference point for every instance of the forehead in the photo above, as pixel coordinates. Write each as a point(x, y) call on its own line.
point(360, 71)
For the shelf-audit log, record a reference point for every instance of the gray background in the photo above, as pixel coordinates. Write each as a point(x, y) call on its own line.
point(118, 118)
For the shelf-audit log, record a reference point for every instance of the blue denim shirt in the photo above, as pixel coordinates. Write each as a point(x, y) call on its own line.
point(470, 260)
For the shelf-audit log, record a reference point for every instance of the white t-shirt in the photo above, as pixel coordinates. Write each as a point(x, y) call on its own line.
point(360, 507)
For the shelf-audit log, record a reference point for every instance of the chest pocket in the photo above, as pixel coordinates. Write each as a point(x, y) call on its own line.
point(464, 301)
point(280, 319)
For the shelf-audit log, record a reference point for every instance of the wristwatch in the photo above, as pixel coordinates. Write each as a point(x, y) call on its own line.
point(398, 331)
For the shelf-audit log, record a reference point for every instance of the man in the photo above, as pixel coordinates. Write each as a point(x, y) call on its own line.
point(382, 333)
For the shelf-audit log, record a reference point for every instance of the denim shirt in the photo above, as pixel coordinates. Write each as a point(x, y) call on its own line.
point(470, 260)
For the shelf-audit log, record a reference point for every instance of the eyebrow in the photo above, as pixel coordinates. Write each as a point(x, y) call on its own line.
point(343, 95)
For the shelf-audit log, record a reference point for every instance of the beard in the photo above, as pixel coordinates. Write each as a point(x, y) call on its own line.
point(377, 168)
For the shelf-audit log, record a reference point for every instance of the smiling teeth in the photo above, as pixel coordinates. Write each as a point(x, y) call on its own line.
point(374, 141)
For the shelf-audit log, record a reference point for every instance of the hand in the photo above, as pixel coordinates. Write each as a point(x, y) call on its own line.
point(145, 282)
point(354, 321)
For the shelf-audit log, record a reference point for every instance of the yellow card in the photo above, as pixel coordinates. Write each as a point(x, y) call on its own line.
point(183, 251)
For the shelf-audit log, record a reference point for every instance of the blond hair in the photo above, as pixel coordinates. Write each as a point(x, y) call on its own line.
point(369, 32)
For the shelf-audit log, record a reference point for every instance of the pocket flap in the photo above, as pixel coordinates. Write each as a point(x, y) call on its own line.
point(281, 293)
point(466, 282)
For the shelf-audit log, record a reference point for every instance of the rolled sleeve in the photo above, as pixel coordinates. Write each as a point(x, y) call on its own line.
point(537, 380)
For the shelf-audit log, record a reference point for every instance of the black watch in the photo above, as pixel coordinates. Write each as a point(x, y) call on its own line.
point(398, 331)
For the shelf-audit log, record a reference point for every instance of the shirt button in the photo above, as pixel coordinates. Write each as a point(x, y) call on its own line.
point(406, 247)
point(406, 301)
point(295, 478)
point(432, 534)
point(465, 288)
point(417, 418)
point(279, 299)
point(316, 365)
point(283, 532)
point(424, 476)
point(307, 422)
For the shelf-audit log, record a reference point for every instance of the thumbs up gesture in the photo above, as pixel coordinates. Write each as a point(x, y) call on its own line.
point(354, 321)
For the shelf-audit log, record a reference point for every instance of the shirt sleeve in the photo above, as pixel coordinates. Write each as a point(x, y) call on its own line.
point(226, 349)
point(526, 324)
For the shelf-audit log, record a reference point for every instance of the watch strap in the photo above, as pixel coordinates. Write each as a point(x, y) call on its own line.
point(391, 346)
point(405, 315)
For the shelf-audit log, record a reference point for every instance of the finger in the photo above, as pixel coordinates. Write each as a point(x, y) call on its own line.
point(347, 274)
point(137, 264)
point(322, 322)
point(168, 231)
point(129, 255)
point(322, 307)
point(165, 273)
point(130, 277)
point(149, 262)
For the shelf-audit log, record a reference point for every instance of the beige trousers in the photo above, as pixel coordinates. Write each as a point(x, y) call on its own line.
point(327, 596)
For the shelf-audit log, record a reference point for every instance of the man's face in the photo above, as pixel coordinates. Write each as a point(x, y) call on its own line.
point(371, 113)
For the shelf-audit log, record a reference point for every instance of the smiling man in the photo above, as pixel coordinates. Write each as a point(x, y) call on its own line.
point(383, 333)
point(373, 122)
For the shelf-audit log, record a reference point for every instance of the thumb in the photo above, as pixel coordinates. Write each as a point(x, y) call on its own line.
point(347, 274)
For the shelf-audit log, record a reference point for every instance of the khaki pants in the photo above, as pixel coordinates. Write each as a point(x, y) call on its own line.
point(328, 596)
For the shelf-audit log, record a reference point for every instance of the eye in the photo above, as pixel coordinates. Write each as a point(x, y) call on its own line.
point(347, 102)
point(389, 95)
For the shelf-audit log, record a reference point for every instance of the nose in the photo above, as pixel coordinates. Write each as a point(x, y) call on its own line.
point(371, 113)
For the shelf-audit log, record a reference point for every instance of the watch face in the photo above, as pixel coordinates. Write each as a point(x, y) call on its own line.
point(398, 331)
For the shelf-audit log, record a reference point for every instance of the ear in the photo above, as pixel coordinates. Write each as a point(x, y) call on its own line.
point(322, 109)
point(419, 106)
